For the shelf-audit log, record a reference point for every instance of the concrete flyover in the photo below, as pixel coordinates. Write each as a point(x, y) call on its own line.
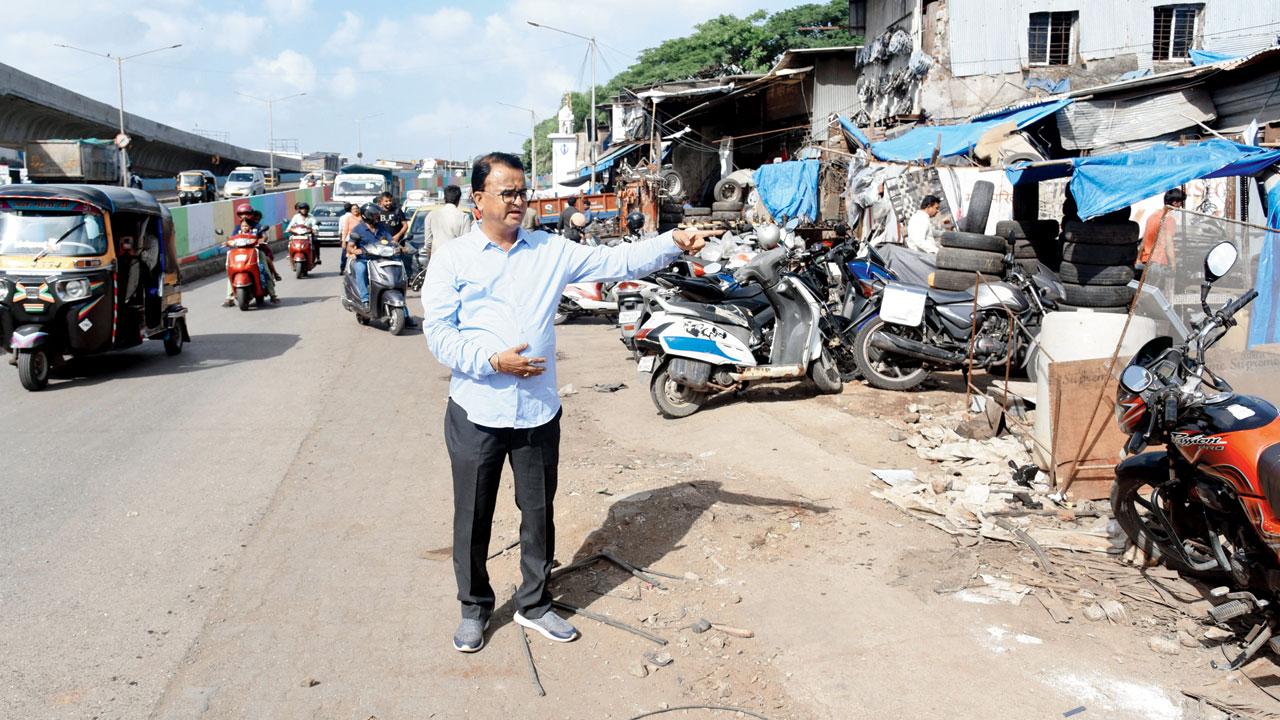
point(35, 109)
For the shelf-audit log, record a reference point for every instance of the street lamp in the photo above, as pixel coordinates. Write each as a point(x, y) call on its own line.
point(360, 134)
point(121, 141)
point(271, 136)
point(533, 140)
point(591, 119)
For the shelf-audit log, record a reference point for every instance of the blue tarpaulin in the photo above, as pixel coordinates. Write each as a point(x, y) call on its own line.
point(918, 144)
point(789, 190)
point(1103, 183)
point(1209, 57)
point(855, 133)
point(1264, 323)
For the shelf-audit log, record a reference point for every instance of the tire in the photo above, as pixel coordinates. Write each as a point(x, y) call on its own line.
point(725, 206)
point(33, 370)
point(1015, 230)
point(1097, 233)
point(243, 297)
point(989, 263)
point(395, 320)
point(973, 241)
point(670, 218)
point(975, 216)
point(671, 399)
point(1083, 254)
point(826, 375)
point(729, 190)
point(952, 280)
point(672, 181)
point(563, 314)
point(1080, 274)
point(877, 369)
point(697, 212)
point(1150, 537)
point(726, 216)
point(300, 270)
point(175, 338)
point(1097, 296)
point(415, 282)
point(1029, 266)
point(1025, 251)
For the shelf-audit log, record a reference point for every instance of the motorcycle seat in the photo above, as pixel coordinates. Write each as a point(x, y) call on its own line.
point(949, 297)
point(703, 311)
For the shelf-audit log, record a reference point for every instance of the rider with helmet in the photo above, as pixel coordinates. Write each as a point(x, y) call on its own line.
point(250, 220)
point(370, 232)
point(302, 218)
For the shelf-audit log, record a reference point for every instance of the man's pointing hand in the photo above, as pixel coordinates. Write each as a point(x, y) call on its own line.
point(691, 241)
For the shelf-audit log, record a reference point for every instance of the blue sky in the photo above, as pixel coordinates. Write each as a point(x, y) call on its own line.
point(435, 71)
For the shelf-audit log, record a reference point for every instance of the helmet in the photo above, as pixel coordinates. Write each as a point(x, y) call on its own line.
point(578, 220)
point(635, 220)
point(767, 236)
point(371, 212)
point(243, 208)
point(301, 206)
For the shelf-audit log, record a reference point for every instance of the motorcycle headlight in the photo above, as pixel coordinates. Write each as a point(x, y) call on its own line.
point(77, 289)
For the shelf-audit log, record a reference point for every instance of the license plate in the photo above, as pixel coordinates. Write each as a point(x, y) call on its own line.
point(628, 316)
point(646, 363)
point(903, 305)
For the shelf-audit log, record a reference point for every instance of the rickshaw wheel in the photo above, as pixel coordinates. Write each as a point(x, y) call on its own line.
point(33, 370)
point(243, 297)
point(173, 341)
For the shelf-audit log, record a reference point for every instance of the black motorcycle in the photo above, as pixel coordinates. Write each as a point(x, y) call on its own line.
point(386, 288)
point(915, 329)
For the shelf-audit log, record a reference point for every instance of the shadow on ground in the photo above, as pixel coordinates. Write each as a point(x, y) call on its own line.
point(210, 350)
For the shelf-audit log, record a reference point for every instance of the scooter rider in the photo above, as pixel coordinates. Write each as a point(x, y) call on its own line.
point(370, 232)
point(248, 221)
point(302, 218)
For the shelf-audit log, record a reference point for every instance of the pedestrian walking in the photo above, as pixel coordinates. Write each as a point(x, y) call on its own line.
point(488, 305)
point(346, 224)
point(448, 221)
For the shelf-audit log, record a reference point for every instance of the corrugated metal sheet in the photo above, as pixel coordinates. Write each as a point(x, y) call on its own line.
point(1087, 124)
point(835, 90)
point(1241, 103)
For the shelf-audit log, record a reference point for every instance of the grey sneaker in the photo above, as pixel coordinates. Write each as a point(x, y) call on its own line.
point(551, 625)
point(469, 637)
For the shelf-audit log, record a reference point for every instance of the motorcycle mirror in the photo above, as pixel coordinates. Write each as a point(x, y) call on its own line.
point(792, 224)
point(1219, 261)
point(1136, 379)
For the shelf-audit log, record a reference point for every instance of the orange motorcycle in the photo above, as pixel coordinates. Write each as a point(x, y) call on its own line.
point(1208, 504)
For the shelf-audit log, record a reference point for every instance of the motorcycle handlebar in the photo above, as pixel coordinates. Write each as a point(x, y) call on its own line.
point(1238, 304)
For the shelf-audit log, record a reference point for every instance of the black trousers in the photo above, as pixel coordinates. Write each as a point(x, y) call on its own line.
point(477, 454)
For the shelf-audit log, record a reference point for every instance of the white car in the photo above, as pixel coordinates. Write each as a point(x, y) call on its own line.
point(415, 199)
point(244, 182)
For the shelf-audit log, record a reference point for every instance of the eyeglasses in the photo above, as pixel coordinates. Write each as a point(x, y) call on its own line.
point(510, 197)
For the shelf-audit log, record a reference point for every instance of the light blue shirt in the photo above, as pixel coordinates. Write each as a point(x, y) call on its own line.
point(478, 300)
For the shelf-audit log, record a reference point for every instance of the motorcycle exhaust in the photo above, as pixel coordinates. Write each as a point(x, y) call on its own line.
point(914, 349)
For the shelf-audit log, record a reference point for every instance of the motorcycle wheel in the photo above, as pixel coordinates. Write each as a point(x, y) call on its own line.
point(826, 375)
point(885, 370)
point(395, 320)
point(243, 296)
point(415, 282)
point(300, 270)
point(672, 399)
point(1135, 515)
point(564, 314)
point(33, 370)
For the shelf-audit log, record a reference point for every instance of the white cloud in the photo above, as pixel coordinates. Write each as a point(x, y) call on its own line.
point(288, 10)
point(289, 71)
point(235, 32)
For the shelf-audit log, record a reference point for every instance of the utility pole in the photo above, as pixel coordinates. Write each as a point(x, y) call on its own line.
point(591, 117)
point(124, 154)
point(271, 133)
point(533, 141)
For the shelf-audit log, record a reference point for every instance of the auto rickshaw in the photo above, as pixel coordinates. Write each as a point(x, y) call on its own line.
point(196, 186)
point(84, 269)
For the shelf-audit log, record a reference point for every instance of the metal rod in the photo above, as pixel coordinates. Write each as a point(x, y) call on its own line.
point(607, 621)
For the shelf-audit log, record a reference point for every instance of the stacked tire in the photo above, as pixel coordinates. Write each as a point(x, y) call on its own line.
point(726, 210)
point(1034, 243)
point(1097, 264)
point(964, 255)
point(670, 215)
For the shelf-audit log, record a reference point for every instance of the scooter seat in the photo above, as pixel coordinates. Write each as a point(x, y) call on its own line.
point(710, 313)
point(949, 297)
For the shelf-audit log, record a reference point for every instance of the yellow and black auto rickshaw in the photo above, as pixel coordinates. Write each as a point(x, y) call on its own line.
point(84, 269)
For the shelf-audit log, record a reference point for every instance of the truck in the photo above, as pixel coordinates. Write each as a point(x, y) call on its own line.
point(361, 184)
point(76, 161)
point(320, 161)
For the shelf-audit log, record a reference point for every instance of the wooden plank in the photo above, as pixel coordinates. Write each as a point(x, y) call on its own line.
point(1075, 385)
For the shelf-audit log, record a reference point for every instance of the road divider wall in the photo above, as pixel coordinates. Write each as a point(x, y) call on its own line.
point(194, 225)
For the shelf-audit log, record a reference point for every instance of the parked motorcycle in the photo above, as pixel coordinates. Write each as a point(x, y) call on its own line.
point(386, 288)
point(596, 299)
point(419, 277)
point(696, 350)
point(302, 250)
point(1206, 503)
point(244, 271)
point(915, 329)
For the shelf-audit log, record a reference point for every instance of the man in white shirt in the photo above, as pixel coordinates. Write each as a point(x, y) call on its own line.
point(447, 222)
point(920, 226)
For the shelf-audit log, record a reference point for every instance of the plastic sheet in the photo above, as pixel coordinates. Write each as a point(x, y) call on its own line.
point(919, 144)
point(789, 189)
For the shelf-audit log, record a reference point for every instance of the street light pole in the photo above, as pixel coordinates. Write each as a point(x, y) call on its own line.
point(124, 154)
point(271, 132)
point(533, 141)
point(591, 118)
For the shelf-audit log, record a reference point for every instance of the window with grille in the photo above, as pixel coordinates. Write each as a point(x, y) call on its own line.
point(1049, 38)
point(1175, 31)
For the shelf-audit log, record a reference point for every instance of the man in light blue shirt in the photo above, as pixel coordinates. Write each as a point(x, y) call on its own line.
point(488, 304)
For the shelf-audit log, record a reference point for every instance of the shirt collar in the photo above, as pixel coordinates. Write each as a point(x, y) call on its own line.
point(483, 242)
